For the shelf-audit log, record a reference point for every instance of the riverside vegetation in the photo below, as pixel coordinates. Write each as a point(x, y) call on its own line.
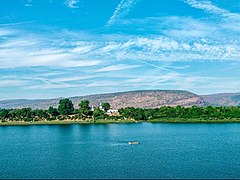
point(66, 114)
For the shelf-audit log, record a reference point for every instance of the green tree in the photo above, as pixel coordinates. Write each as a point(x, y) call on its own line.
point(134, 113)
point(98, 113)
point(12, 114)
point(41, 113)
point(26, 113)
point(53, 111)
point(84, 107)
point(106, 106)
point(65, 106)
point(4, 113)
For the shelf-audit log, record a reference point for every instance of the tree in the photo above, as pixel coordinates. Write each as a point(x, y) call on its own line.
point(106, 106)
point(53, 111)
point(12, 114)
point(4, 113)
point(26, 113)
point(98, 113)
point(84, 104)
point(84, 107)
point(134, 113)
point(41, 113)
point(65, 106)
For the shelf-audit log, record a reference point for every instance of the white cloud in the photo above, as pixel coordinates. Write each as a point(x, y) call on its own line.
point(71, 78)
point(151, 79)
point(211, 8)
point(166, 49)
point(122, 9)
point(79, 60)
point(21, 50)
point(72, 4)
point(83, 49)
point(15, 57)
point(6, 32)
point(31, 51)
point(11, 83)
point(117, 68)
point(106, 56)
point(15, 24)
point(52, 86)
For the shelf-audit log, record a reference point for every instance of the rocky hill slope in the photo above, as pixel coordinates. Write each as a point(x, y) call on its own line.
point(142, 98)
point(223, 99)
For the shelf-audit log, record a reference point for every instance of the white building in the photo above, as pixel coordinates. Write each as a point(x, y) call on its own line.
point(92, 108)
point(112, 112)
point(100, 107)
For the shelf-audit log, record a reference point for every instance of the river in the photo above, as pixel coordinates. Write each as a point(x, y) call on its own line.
point(102, 151)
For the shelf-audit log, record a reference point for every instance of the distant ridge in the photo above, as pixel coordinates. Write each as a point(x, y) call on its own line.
point(223, 99)
point(139, 98)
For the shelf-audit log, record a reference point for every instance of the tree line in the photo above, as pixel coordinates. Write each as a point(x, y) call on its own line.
point(194, 112)
point(65, 110)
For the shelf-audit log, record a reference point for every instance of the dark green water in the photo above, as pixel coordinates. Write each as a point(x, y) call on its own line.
point(101, 151)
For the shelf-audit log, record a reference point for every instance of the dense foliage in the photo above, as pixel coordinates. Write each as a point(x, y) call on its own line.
point(84, 108)
point(193, 112)
point(106, 106)
point(53, 111)
point(65, 107)
point(98, 114)
point(26, 114)
point(65, 111)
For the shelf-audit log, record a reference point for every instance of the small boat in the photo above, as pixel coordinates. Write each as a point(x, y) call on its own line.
point(133, 142)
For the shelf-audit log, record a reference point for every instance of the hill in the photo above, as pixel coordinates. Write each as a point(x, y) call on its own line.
point(141, 98)
point(223, 99)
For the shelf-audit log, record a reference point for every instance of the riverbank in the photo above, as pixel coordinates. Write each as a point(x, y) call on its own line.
point(124, 121)
point(179, 120)
point(63, 122)
point(22, 123)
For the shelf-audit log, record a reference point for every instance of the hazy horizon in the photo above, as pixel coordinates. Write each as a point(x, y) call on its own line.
point(66, 48)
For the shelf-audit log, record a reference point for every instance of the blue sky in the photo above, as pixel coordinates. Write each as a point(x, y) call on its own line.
point(62, 48)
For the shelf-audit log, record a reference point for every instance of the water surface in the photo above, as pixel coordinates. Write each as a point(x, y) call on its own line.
point(101, 151)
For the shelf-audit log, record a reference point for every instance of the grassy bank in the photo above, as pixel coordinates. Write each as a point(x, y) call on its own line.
point(111, 121)
point(22, 123)
point(57, 122)
point(180, 120)
point(123, 121)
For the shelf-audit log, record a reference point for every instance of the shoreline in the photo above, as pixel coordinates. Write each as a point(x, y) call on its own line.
point(64, 122)
point(127, 121)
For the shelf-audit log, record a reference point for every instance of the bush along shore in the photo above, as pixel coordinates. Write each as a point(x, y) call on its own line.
point(66, 114)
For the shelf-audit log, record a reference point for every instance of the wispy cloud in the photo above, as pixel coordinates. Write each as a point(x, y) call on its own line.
point(72, 4)
point(119, 62)
point(20, 50)
point(6, 32)
point(15, 24)
point(228, 20)
point(167, 49)
point(211, 8)
point(151, 51)
point(33, 50)
point(117, 68)
point(122, 9)
point(11, 83)
point(72, 78)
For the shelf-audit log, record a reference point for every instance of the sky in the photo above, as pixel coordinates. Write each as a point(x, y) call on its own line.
point(64, 48)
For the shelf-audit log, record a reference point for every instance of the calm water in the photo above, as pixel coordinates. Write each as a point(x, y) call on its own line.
point(101, 151)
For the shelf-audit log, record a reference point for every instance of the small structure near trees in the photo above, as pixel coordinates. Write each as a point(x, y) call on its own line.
point(112, 112)
point(106, 109)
